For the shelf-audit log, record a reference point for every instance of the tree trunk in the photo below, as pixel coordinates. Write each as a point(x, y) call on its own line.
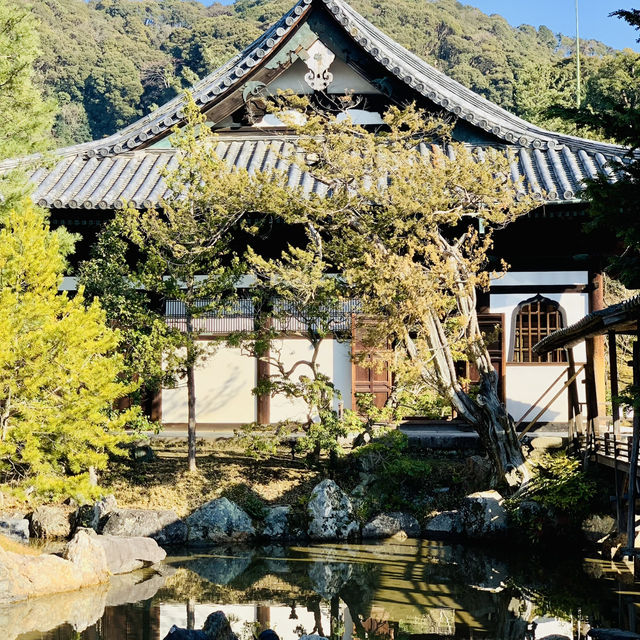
point(191, 395)
point(486, 414)
point(498, 435)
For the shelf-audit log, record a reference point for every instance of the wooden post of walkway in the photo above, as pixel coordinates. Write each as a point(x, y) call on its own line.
point(596, 303)
point(633, 462)
point(590, 384)
point(575, 413)
point(613, 370)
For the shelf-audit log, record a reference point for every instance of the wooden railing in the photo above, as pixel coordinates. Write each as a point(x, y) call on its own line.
point(609, 445)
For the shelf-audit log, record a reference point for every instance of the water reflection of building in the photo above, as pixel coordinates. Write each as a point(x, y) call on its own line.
point(288, 622)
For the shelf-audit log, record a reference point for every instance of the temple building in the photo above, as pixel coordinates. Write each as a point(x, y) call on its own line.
point(326, 49)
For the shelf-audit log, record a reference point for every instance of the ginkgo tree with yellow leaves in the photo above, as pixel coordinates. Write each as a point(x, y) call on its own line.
point(59, 369)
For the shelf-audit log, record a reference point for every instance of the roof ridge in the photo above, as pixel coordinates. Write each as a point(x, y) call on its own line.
point(506, 125)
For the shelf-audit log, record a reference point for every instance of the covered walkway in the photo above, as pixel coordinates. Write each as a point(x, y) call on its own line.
point(601, 438)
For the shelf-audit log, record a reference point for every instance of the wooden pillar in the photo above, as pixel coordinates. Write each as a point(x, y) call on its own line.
point(596, 303)
point(156, 407)
point(590, 383)
point(191, 613)
point(633, 462)
point(263, 617)
point(263, 372)
point(575, 412)
point(613, 373)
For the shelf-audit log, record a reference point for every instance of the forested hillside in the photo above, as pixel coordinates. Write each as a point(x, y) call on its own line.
point(107, 62)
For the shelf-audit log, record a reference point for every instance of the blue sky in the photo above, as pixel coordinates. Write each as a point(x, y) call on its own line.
point(559, 16)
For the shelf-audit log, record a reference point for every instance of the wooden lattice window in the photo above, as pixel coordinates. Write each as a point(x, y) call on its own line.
point(534, 320)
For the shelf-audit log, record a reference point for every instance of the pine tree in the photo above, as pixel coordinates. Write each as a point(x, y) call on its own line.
point(59, 374)
point(26, 118)
point(187, 242)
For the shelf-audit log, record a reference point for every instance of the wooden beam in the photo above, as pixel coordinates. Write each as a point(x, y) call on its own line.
point(590, 385)
point(633, 462)
point(540, 414)
point(544, 393)
point(613, 374)
point(575, 412)
point(596, 303)
point(532, 289)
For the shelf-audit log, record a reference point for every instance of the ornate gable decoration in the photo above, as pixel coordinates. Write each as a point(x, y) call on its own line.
point(318, 62)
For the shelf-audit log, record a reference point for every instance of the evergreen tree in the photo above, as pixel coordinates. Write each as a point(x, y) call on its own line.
point(26, 118)
point(402, 229)
point(59, 375)
point(146, 341)
point(187, 242)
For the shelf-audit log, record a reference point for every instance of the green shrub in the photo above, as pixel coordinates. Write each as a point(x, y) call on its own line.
point(401, 479)
point(559, 483)
point(558, 491)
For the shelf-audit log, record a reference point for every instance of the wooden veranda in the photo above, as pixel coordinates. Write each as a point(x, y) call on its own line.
point(600, 439)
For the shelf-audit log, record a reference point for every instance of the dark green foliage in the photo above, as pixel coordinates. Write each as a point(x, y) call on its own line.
point(247, 500)
point(559, 496)
point(145, 336)
point(401, 479)
point(559, 483)
point(612, 106)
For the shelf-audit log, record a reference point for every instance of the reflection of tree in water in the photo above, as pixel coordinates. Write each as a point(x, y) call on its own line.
point(395, 591)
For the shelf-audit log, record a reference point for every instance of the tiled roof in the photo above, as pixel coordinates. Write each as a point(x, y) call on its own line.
point(136, 177)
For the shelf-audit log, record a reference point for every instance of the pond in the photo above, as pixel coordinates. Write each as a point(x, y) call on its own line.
point(416, 589)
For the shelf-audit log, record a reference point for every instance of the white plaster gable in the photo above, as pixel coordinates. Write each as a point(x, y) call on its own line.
point(345, 80)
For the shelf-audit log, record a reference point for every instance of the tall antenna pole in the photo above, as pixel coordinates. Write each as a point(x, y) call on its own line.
point(577, 58)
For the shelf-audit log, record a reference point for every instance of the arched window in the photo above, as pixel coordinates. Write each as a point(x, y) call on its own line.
point(535, 319)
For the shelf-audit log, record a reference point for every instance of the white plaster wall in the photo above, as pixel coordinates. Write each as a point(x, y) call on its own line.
point(345, 80)
point(533, 278)
point(223, 391)
point(334, 360)
point(242, 616)
point(525, 384)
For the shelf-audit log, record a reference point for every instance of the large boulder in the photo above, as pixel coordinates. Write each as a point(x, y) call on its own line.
point(36, 617)
point(85, 551)
point(444, 524)
point(386, 525)
point(14, 527)
point(163, 526)
point(124, 554)
point(483, 515)
point(222, 569)
point(217, 627)
point(328, 578)
point(276, 524)
point(330, 513)
point(24, 576)
point(219, 521)
point(596, 528)
point(101, 509)
point(53, 521)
